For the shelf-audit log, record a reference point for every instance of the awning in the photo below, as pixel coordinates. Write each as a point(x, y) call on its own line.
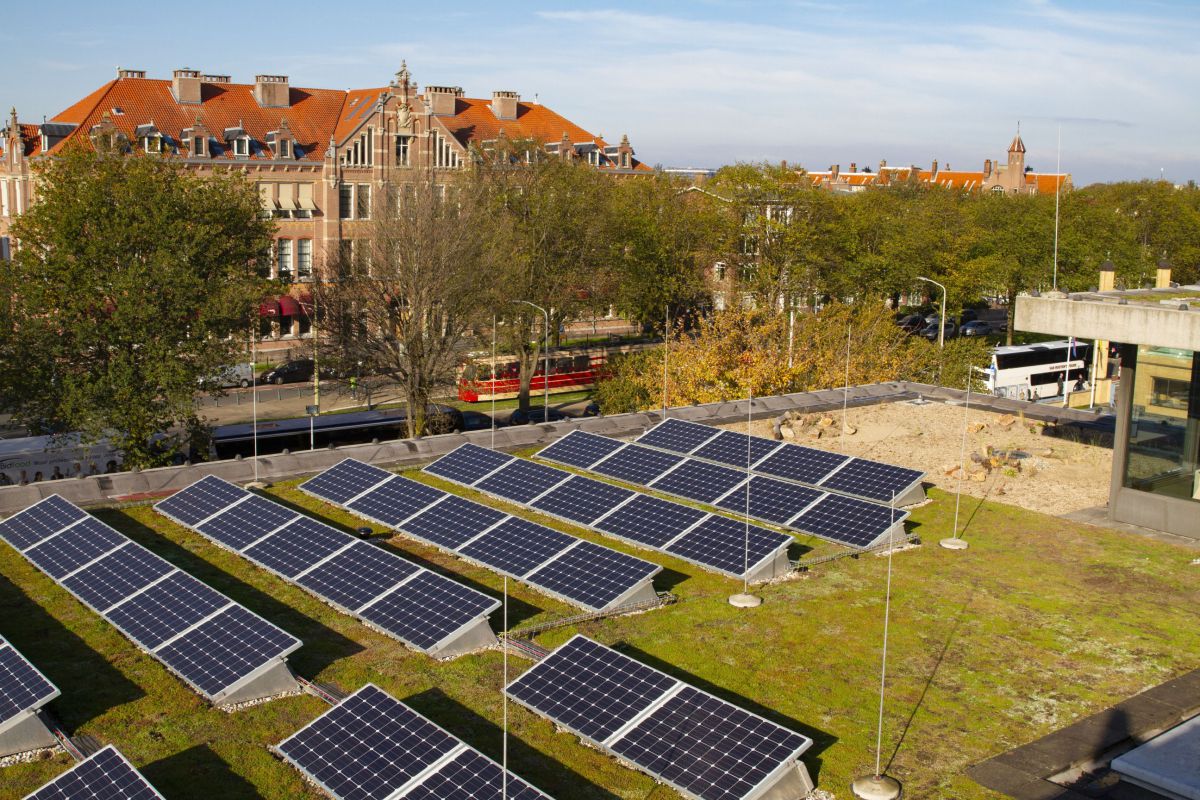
point(266, 193)
point(306, 199)
point(288, 306)
point(268, 308)
point(287, 196)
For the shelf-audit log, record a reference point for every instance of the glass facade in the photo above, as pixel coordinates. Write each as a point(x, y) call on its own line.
point(1164, 426)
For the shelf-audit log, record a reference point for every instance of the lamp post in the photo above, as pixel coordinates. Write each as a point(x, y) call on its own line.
point(744, 599)
point(942, 329)
point(546, 367)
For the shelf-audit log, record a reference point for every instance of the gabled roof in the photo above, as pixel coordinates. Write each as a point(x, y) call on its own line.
point(31, 138)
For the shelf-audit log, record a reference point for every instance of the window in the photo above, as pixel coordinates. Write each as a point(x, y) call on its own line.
point(283, 260)
point(346, 201)
point(5, 249)
point(444, 153)
point(362, 206)
point(285, 148)
point(362, 152)
point(403, 143)
point(152, 143)
point(1170, 393)
point(719, 271)
point(1163, 453)
point(3, 198)
point(199, 146)
point(304, 255)
point(241, 146)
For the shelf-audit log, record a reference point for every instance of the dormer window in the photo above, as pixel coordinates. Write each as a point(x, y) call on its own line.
point(149, 138)
point(281, 142)
point(285, 148)
point(241, 146)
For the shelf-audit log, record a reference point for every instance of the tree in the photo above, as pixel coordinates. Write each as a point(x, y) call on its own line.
point(403, 298)
point(134, 279)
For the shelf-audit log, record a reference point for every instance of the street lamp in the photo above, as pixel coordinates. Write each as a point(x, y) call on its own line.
point(942, 329)
point(546, 368)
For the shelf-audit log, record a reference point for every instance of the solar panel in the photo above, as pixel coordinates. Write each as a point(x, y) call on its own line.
point(104, 775)
point(871, 479)
point(579, 449)
point(428, 609)
point(677, 436)
point(732, 448)
point(247, 522)
point(357, 575)
point(65, 552)
point(803, 464)
point(702, 745)
point(117, 575)
point(720, 543)
point(848, 520)
point(591, 689)
point(770, 500)
point(593, 575)
point(297, 546)
point(452, 522)
point(650, 521)
point(582, 500)
point(521, 481)
point(699, 480)
point(636, 465)
point(517, 546)
point(396, 500)
point(27, 528)
point(201, 500)
point(467, 464)
point(167, 608)
point(345, 481)
point(371, 746)
point(22, 687)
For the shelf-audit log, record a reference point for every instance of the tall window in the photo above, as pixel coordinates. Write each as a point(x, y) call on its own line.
point(5, 251)
point(346, 201)
point(403, 143)
point(362, 152)
point(304, 253)
point(4, 198)
point(362, 208)
point(241, 146)
point(285, 148)
point(152, 143)
point(199, 146)
point(283, 251)
point(444, 154)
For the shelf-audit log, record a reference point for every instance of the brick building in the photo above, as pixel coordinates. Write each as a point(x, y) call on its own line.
point(318, 156)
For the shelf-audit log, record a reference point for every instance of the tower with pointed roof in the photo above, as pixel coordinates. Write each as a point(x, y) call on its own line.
point(1016, 155)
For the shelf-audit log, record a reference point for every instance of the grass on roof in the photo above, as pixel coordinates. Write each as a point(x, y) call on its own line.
point(1040, 622)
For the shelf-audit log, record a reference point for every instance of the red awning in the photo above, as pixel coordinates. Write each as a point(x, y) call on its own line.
point(288, 306)
point(268, 308)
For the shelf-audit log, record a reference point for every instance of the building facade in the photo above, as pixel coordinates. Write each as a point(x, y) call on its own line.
point(320, 157)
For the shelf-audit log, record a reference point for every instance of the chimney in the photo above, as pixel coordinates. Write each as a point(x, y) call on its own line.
point(216, 79)
point(834, 170)
point(272, 91)
point(1162, 278)
point(1108, 276)
point(504, 104)
point(853, 167)
point(185, 85)
point(987, 168)
point(882, 164)
point(443, 100)
point(130, 73)
point(934, 170)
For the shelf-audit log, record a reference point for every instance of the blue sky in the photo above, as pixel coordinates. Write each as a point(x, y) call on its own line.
point(702, 83)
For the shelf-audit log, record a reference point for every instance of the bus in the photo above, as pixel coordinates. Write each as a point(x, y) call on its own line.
point(572, 369)
point(31, 459)
point(1036, 371)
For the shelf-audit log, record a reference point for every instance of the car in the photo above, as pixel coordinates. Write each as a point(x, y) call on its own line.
point(911, 323)
point(296, 371)
point(535, 416)
point(976, 327)
point(930, 332)
point(226, 377)
point(969, 315)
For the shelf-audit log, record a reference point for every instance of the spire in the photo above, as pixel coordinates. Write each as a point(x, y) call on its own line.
point(1017, 146)
point(403, 76)
point(13, 129)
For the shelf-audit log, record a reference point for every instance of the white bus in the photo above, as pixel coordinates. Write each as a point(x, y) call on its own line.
point(1034, 371)
point(46, 458)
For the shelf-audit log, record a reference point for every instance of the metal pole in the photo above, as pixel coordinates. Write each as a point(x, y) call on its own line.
point(316, 353)
point(1057, 182)
point(666, 350)
point(845, 390)
point(494, 383)
point(546, 371)
point(312, 442)
point(962, 453)
point(791, 331)
point(942, 329)
point(746, 550)
point(254, 399)
point(887, 612)
point(504, 701)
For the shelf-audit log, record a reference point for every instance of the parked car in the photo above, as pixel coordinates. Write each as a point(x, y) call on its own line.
point(976, 327)
point(968, 315)
point(930, 332)
point(233, 375)
point(535, 416)
point(911, 323)
point(296, 371)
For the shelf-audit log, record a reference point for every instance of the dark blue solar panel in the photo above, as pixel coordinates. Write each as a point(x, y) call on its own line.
point(521, 481)
point(593, 575)
point(367, 746)
point(580, 449)
point(698, 480)
point(650, 521)
point(452, 522)
point(582, 500)
point(201, 500)
point(720, 543)
point(589, 688)
point(106, 775)
point(735, 448)
point(225, 649)
point(357, 575)
point(172, 605)
point(517, 546)
point(39, 521)
point(71, 549)
point(116, 576)
point(345, 481)
point(797, 463)
point(247, 522)
point(770, 499)
point(22, 687)
point(677, 436)
point(872, 479)
point(472, 776)
point(297, 546)
point(427, 609)
point(396, 500)
point(467, 464)
point(848, 520)
point(636, 464)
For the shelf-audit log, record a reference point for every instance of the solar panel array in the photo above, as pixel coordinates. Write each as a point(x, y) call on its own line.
point(683, 532)
point(579, 572)
point(104, 775)
point(701, 745)
point(22, 687)
point(416, 606)
point(208, 640)
point(370, 746)
point(860, 477)
point(846, 520)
